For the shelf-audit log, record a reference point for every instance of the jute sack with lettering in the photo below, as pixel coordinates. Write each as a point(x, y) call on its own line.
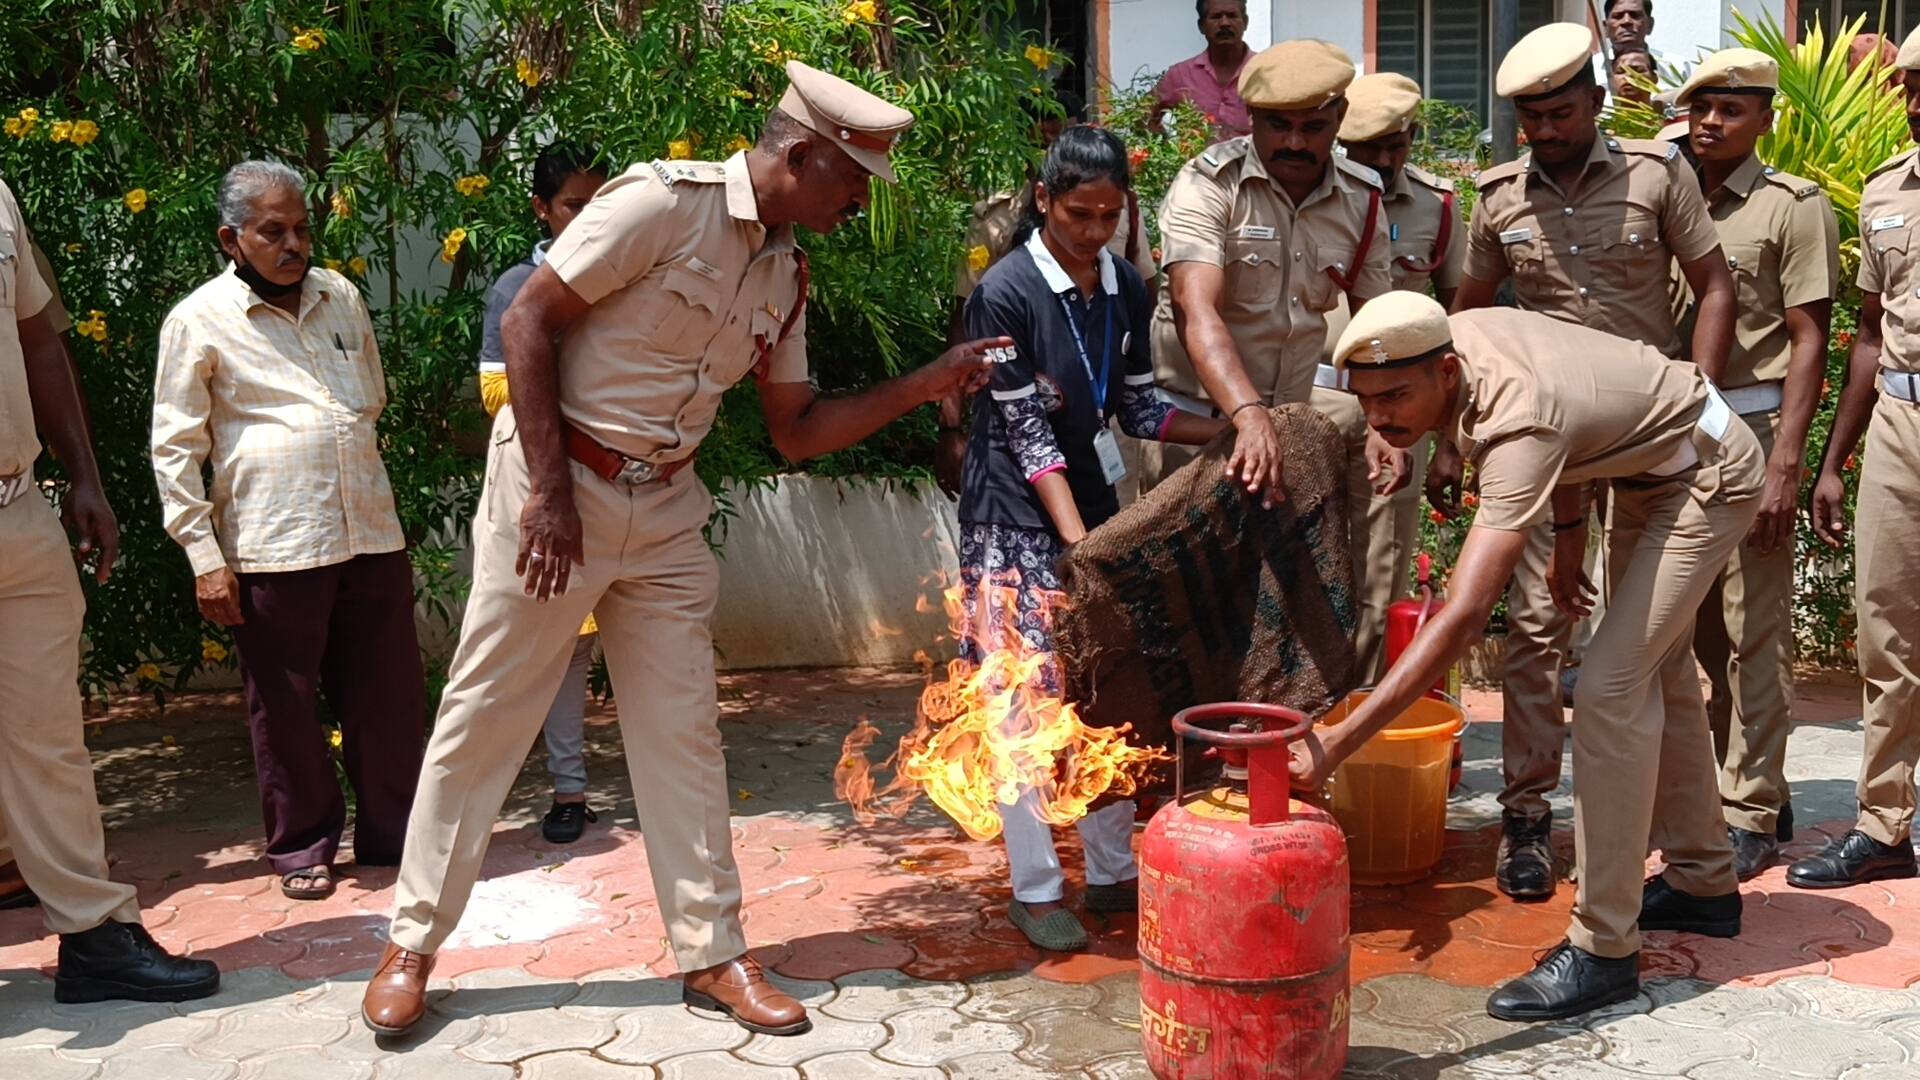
point(1195, 593)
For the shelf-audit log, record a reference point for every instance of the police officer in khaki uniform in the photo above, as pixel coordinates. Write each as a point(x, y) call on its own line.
point(1587, 228)
point(1429, 245)
point(1883, 385)
point(675, 282)
point(1262, 236)
point(1782, 243)
point(1542, 408)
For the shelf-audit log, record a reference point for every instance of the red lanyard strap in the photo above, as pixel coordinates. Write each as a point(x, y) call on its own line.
point(1407, 262)
point(1348, 281)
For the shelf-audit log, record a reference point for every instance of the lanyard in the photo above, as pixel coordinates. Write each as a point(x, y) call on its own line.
point(1098, 383)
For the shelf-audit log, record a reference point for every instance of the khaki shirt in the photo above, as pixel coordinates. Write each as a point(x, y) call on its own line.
point(1549, 404)
point(1223, 209)
point(23, 293)
point(56, 309)
point(991, 234)
point(1600, 256)
point(1889, 257)
point(1414, 206)
point(683, 280)
point(1782, 244)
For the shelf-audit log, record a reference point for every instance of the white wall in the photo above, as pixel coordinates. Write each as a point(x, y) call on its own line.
point(1343, 22)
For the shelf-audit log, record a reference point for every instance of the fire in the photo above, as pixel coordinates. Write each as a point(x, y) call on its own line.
point(989, 731)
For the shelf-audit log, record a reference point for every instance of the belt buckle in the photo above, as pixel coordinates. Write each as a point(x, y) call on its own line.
point(634, 472)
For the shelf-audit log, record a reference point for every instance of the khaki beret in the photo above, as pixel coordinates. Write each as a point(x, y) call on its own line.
point(1395, 326)
point(1731, 69)
point(1544, 60)
point(1909, 57)
point(1379, 105)
point(1305, 73)
point(863, 125)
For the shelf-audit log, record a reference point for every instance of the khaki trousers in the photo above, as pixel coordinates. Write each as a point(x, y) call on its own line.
point(1643, 768)
point(1886, 566)
point(651, 582)
point(46, 777)
point(1533, 723)
point(1744, 640)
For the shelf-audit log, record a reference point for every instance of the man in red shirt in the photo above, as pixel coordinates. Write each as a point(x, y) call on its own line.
point(1212, 80)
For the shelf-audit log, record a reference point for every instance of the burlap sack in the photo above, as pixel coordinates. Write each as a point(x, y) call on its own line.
point(1196, 594)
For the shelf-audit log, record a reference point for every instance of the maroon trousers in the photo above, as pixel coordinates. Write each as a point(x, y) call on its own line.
point(345, 631)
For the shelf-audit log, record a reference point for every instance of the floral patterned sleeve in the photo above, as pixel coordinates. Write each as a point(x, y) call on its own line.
point(1143, 413)
point(1028, 432)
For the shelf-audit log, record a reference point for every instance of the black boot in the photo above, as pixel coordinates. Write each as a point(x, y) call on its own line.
point(1856, 858)
point(1783, 826)
point(1754, 853)
point(1663, 907)
point(120, 961)
point(1568, 982)
point(1523, 867)
point(566, 822)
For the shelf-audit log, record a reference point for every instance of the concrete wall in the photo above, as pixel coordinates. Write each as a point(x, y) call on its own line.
point(817, 572)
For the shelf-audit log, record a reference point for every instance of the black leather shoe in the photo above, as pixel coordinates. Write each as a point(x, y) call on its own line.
point(1783, 825)
point(1568, 982)
point(1856, 858)
point(1754, 853)
point(566, 822)
point(118, 961)
point(1523, 867)
point(1663, 907)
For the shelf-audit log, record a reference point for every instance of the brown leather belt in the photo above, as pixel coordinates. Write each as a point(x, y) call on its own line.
point(615, 467)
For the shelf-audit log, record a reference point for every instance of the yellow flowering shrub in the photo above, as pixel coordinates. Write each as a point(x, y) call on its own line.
point(212, 651)
point(527, 72)
point(358, 265)
point(310, 39)
point(978, 258)
point(861, 11)
point(473, 185)
point(450, 247)
point(84, 132)
point(679, 149)
point(22, 124)
point(1039, 57)
point(136, 199)
point(739, 143)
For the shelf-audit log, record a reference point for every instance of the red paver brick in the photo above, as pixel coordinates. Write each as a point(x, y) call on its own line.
point(831, 955)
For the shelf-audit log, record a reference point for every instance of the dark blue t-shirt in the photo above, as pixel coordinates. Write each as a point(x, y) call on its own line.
point(1017, 299)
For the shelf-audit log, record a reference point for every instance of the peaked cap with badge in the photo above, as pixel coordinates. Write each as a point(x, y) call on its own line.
point(864, 125)
point(1545, 60)
point(1305, 73)
point(1379, 105)
point(1398, 326)
point(1739, 70)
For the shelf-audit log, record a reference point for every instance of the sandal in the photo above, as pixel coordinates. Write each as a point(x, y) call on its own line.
point(320, 879)
point(1058, 930)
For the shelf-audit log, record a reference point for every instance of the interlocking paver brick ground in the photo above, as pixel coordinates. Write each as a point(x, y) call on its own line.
point(895, 935)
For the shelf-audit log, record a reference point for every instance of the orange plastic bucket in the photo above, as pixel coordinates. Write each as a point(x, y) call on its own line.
point(1390, 797)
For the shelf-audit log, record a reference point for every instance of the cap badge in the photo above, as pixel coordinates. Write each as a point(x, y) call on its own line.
point(1379, 352)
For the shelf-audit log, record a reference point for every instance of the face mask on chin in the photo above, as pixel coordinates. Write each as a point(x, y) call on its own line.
point(267, 290)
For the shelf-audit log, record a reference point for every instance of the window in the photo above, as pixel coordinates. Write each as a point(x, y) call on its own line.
point(1446, 45)
point(1899, 15)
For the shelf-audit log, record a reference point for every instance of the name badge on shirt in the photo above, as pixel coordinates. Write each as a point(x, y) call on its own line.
point(1112, 466)
point(704, 269)
point(1515, 236)
point(1893, 222)
point(1256, 232)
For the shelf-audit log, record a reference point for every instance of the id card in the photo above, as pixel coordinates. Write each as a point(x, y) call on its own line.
point(1112, 466)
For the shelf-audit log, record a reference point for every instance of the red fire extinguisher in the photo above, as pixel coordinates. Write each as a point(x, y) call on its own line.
point(1405, 617)
point(1243, 915)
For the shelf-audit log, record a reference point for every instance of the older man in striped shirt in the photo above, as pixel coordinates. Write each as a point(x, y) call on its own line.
point(270, 373)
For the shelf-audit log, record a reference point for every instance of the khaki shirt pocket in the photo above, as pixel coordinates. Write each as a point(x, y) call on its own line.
point(1630, 259)
point(1527, 261)
point(1892, 248)
point(1320, 292)
point(1752, 266)
point(1253, 272)
point(692, 311)
point(9, 266)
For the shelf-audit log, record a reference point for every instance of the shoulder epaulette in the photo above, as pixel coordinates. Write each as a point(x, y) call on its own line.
point(1653, 148)
point(1421, 176)
point(1801, 187)
point(1507, 171)
point(695, 172)
point(1894, 162)
point(1214, 159)
point(1358, 171)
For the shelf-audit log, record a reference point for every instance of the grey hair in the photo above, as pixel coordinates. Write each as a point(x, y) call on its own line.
point(246, 182)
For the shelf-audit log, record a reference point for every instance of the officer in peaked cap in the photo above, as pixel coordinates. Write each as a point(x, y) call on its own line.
point(1586, 226)
point(1782, 245)
point(1428, 242)
point(1262, 236)
point(677, 281)
point(1542, 407)
point(1882, 387)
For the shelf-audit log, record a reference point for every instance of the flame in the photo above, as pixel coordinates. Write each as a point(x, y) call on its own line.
point(991, 730)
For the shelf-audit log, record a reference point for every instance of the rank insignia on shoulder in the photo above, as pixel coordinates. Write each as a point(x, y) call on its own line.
point(1673, 151)
point(1210, 159)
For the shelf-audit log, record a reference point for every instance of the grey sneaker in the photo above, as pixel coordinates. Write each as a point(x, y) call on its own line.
point(1059, 931)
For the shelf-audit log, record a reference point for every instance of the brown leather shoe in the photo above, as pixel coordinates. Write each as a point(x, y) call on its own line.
point(741, 990)
point(396, 996)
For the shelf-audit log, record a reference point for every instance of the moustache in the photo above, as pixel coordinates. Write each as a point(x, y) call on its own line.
point(1392, 432)
point(1301, 157)
point(290, 258)
point(850, 210)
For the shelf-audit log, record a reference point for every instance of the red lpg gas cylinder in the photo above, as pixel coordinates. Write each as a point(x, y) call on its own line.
point(1243, 915)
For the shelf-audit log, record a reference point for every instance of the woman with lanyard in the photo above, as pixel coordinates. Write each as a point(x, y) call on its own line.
point(564, 180)
point(1041, 464)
